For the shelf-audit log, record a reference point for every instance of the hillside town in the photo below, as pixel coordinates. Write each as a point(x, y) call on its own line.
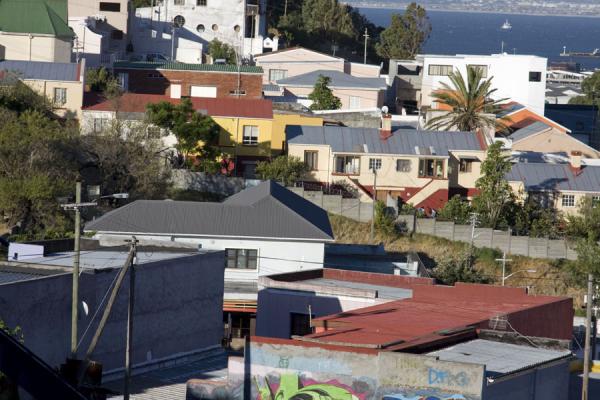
point(279, 201)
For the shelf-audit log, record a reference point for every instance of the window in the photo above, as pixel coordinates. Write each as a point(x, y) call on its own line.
point(237, 28)
point(354, 102)
point(241, 258)
point(215, 27)
point(483, 68)
point(347, 165)
point(595, 200)
point(201, 3)
point(310, 159)
point(250, 135)
point(299, 324)
point(116, 34)
point(237, 92)
point(100, 124)
point(403, 165)
point(374, 164)
point(277, 74)
point(568, 200)
point(60, 96)
point(200, 28)
point(535, 76)
point(154, 75)
point(466, 165)
point(179, 2)
point(440, 70)
point(110, 6)
point(178, 21)
point(431, 168)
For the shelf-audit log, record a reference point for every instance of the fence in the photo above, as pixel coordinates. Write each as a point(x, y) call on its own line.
point(487, 237)
point(337, 204)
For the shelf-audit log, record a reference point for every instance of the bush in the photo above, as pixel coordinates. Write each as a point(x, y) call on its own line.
point(456, 210)
point(286, 169)
point(452, 269)
point(384, 219)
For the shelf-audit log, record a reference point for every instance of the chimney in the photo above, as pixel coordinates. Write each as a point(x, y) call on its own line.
point(575, 161)
point(385, 130)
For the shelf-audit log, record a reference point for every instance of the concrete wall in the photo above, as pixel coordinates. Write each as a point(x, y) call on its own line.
point(367, 98)
point(20, 46)
point(178, 309)
point(487, 237)
point(351, 208)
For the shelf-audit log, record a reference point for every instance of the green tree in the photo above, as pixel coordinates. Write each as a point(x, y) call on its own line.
point(406, 34)
point(586, 222)
point(495, 194)
point(532, 219)
point(588, 260)
point(286, 169)
point(456, 210)
point(384, 219)
point(322, 96)
point(196, 133)
point(591, 89)
point(327, 18)
point(470, 103)
point(222, 51)
point(18, 97)
point(452, 269)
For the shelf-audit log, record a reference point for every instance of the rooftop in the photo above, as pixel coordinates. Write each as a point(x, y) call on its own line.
point(530, 130)
point(49, 71)
point(265, 211)
point(46, 17)
point(499, 358)
point(219, 107)
point(368, 140)
point(551, 176)
point(339, 80)
point(179, 66)
point(11, 274)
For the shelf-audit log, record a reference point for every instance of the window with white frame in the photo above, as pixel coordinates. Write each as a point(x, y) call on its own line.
point(431, 168)
point(466, 165)
point(354, 102)
point(403, 165)
point(440, 70)
point(250, 135)
point(374, 164)
point(482, 68)
point(241, 258)
point(568, 200)
point(100, 124)
point(311, 158)
point(60, 96)
point(347, 165)
point(277, 74)
point(595, 200)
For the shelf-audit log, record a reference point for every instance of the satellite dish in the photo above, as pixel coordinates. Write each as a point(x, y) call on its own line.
point(385, 109)
point(86, 308)
point(178, 21)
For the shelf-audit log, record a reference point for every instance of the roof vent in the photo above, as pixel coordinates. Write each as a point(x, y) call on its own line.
point(498, 322)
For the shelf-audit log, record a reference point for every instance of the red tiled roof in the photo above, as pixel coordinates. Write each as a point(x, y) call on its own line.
point(435, 309)
point(219, 107)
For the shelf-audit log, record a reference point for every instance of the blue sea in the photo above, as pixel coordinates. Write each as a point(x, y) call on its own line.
point(477, 33)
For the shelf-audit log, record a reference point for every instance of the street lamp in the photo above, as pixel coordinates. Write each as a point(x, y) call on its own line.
point(504, 278)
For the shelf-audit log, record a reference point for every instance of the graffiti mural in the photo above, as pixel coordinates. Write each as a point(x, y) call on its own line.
point(292, 387)
point(423, 396)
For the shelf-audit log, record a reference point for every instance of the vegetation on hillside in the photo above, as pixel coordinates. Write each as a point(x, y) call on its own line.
point(286, 169)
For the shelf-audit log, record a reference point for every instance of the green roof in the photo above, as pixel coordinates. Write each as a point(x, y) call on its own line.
point(47, 17)
point(179, 66)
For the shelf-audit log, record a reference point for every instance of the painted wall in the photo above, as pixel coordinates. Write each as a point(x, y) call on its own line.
point(72, 108)
point(89, 8)
point(281, 121)
point(232, 135)
point(368, 98)
point(178, 309)
point(297, 62)
point(47, 48)
point(362, 70)
point(554, 141)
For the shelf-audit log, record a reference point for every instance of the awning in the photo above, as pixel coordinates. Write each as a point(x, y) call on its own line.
point(469, 158)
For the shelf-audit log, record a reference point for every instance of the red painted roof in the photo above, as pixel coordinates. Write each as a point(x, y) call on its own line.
point(434, 309)
point(219, 107)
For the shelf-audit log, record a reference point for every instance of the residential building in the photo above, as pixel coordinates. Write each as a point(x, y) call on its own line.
point(404, 81)
point(240, 24)
point(177, 314)
point(264, 230)
point(517, 116)
point(63, 84)
point(520, 78)
point(35, 30)
point(101, 29)
point(560, 93)
point(421, 168)
point(190, 80)
point(582, 120)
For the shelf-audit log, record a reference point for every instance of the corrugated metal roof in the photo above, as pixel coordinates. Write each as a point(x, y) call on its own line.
point(48, 17)
point(10, 276)
point(179, 66)
point(499, 358)
point(533, 129)
point(555, 177)
point(338, 80)
point(264, 211)
point(368, 140)
point(50, 71)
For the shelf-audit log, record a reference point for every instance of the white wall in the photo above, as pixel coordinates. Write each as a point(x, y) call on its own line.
point(510, 73)
point(88, 44)
point(20, 46)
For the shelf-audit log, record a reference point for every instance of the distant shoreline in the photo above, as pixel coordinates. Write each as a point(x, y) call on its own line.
point(481, 12)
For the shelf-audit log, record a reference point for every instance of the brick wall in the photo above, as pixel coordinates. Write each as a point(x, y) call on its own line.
point(158, 82)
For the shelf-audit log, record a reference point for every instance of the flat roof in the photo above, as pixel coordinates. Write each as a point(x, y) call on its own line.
point(383, 292)
point(11, 274)
point(499, 358)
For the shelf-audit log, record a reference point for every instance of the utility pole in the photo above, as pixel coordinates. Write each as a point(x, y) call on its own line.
point(474, 222)
point(129, 343)
point(374, 202)
point(586, 354)
point(285, 9)
point(503, 260)
point(366, 35)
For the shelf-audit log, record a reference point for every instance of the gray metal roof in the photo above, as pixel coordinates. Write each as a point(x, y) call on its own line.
point(338, 80)
point(270, 87)
point(11, 276)
point(529, 130)
point(383, 292)
point(555, 177)
point(367, 140)
point(264, 211)
point(499, 358)
point(51, 71)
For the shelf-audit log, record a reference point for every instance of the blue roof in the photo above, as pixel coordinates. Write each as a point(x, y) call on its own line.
point(529, 130)
point(338, 80)
point(368, 140)
point(510, 108)
point(555, 177)
point(50, 71)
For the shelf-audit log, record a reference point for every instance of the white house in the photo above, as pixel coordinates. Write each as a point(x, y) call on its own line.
point(520, 78)
point(239, 23)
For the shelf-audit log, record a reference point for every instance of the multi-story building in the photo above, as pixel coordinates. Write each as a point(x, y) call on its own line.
point(35, 30)
point(183, 28)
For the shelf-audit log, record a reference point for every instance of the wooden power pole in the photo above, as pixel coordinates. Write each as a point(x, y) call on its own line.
point(588, 322)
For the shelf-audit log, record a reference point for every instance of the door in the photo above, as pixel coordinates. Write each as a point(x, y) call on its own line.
point(175, 91)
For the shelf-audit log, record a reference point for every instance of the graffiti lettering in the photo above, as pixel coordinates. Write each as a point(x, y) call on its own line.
point(441, 377)
point(291, 387)
point(401, 396)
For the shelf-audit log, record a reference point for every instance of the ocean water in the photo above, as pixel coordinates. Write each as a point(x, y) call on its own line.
point(477, 33)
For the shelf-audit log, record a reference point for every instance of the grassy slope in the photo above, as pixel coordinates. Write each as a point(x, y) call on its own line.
point(548, 279)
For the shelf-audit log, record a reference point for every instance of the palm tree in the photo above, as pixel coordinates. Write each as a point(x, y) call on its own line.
point(470, 104)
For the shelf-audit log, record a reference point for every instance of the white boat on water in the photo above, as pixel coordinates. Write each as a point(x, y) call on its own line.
point(506, 26)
